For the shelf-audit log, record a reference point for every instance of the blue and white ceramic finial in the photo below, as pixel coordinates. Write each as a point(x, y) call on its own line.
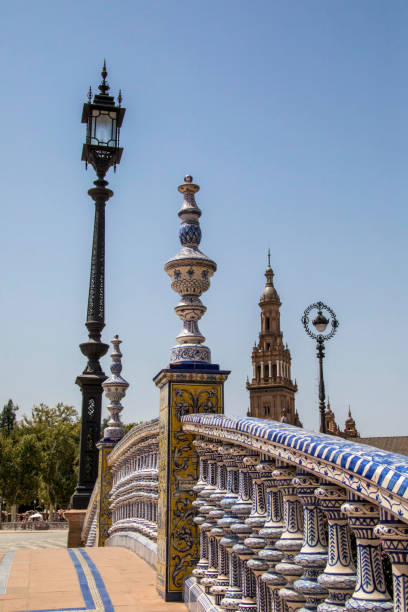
point(115, 390)
point(190, 272)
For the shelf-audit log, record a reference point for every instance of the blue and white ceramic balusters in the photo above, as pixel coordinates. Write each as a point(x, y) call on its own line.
point(394, 537)
point(371, 593)
point(291, 539)
point(339, 576)
point(313, 554)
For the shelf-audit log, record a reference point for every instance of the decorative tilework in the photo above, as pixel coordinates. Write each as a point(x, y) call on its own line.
point(104, 515)
point(374, 474)
point(177, 541)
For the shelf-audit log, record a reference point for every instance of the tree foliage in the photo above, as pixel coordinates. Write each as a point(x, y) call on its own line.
point(39, 457)
point(8, 417)
point(57, 430)
point(39, 454)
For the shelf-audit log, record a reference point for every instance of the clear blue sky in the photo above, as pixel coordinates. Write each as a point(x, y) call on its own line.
point(292, 116)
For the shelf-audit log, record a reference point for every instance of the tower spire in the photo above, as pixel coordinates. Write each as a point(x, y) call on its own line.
point(271, 390)
point(269, 293)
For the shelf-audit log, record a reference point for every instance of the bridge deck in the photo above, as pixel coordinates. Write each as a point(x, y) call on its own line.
point(109, 579)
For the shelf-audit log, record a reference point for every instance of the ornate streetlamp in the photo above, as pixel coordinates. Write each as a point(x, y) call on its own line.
point(320, 323)
point(103, 121)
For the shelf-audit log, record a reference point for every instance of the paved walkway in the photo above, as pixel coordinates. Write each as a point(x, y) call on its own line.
point(79, 579)
point(16, 540)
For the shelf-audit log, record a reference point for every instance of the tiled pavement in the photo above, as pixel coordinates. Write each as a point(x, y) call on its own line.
point(103, 579)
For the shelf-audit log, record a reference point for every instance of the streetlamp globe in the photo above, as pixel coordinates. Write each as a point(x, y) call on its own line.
point(320, 323)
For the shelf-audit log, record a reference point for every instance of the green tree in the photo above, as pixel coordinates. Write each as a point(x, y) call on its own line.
point(19, 467)
point(8, 417)
point(57, 431)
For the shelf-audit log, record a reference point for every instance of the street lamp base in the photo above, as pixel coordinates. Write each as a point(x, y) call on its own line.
point(80, 499)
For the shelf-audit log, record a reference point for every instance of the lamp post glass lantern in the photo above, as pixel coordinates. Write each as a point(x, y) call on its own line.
point(320, 323)
point(101, 149)
point(104, 121)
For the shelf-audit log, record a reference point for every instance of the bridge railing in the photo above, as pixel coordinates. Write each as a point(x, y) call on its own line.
point(89, 528)
point(276, 508)
point(133, 499)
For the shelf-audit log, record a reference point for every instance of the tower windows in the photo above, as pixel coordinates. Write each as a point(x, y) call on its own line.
point(267, 324)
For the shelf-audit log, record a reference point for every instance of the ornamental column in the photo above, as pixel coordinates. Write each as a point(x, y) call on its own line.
point(191, 383)
point(115, 388)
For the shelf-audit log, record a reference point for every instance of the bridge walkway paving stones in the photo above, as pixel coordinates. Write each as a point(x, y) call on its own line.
point(88, 579)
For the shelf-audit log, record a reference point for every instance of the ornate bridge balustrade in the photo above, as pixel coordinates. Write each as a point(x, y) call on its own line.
point(134, 493)
point(88, 535)
point(279, 511)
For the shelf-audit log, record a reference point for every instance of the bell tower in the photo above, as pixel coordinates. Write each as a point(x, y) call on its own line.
point(271, 390)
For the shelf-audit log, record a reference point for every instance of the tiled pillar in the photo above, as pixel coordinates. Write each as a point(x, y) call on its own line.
point(183, 390)
point(104, 483)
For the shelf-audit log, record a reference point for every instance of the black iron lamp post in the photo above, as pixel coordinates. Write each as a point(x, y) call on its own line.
point(320, 323)
point(101, 150)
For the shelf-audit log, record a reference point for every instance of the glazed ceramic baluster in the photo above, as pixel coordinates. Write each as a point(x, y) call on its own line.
point(243, 531)
point(313, 554)
point(257, 519)
point(235, 478)
point(203, 451)
point(371, 592)
point(220, 582)
point(203, 463)
point(208, 510)
point(272, 531)
point(394, 537)
point(291, 539)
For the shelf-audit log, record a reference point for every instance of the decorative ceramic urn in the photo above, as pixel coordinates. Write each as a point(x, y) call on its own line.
point(115, 390)
point(190, 272)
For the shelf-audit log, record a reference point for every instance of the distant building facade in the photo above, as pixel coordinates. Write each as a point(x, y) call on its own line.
point(271, 390)
point(350, 430)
